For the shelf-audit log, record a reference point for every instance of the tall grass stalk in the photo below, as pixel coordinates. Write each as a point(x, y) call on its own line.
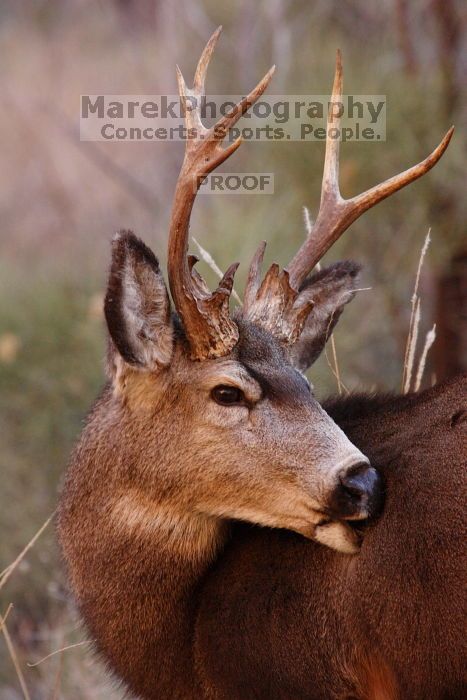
point(429, 340)
point(14, 658)
point(6, 573)
point(414, 324)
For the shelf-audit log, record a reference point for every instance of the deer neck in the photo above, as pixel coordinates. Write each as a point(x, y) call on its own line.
point(174, 551)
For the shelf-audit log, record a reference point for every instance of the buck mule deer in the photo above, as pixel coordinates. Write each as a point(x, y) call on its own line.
point(207, 422)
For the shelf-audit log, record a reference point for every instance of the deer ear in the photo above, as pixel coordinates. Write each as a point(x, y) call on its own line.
point(331, 289)
point(137, 306)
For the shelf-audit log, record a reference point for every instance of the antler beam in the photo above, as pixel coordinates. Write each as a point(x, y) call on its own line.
point(206, 318)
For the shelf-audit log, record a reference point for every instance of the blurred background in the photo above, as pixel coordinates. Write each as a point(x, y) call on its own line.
point(61, 200)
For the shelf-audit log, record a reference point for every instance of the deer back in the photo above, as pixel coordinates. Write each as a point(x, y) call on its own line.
point(283, 618)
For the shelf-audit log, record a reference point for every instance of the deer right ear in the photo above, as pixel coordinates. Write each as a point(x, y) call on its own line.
point(331, 289)
point(137, 306)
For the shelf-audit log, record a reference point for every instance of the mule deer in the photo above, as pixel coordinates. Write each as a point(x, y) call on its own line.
point(207, 422)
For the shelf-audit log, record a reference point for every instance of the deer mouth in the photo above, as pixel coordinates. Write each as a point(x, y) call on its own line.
point(359, 527)
point(357, 522)
point(339, 535)
point(343, 534)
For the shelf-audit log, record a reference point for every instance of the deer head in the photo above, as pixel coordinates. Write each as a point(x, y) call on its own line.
point(220, 419)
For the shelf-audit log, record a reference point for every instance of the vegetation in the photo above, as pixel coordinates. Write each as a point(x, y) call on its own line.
point(62, 199)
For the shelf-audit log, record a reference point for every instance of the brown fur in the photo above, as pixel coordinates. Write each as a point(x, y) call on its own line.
point(185, 602)
point(374, 680)
point(285, 618)
point(278, 616)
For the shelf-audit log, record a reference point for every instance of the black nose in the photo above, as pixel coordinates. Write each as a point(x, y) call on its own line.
point(359, 493)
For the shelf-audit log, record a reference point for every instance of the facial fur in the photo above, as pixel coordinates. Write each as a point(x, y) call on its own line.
point(273, 457)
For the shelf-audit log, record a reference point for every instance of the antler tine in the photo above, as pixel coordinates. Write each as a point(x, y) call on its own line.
point(335, 213)
point(192, 109)
point(330, 184)
point(209, 329)
point(243, 106)
point(254, 277)
point(203, 63)
point(376, 194)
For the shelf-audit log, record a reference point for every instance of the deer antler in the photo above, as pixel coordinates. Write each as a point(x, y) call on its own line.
point(206, 319)
point(335, 213)
point(280, 289)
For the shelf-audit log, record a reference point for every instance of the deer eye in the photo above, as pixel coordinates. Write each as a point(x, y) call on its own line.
point(226, 395)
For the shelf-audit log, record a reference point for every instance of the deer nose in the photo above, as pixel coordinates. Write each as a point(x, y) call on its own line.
point(359, 493)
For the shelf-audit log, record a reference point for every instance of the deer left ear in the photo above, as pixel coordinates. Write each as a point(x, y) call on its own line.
point(137, 306)
point(331, 289)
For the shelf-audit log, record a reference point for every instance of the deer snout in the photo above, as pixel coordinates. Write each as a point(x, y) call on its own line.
point(359, 493)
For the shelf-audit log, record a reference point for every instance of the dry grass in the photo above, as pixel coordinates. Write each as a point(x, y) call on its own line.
point(6, 573)
point(429, 340)
point(14, 658)
point(62, 200)
point(412, 337)
point(59, 651)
